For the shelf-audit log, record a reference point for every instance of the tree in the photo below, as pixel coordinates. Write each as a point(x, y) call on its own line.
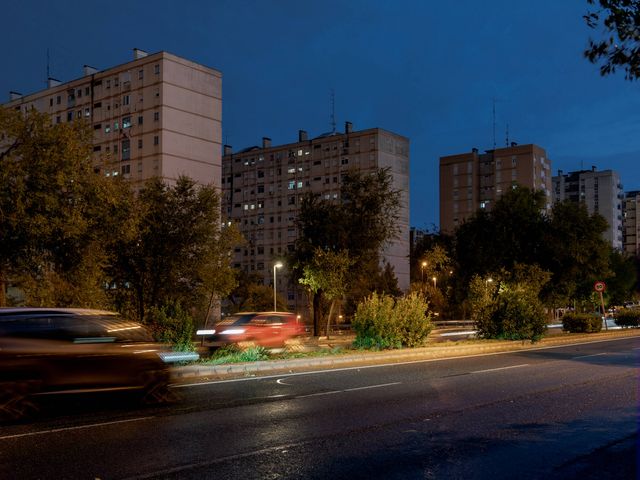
point(622, 284)
point(56, 216)
point(621, 48)
point(179, 252)
point(577, 255)
point(327, 273)
point(362, 222)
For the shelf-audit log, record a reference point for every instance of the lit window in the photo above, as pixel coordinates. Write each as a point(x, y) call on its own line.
point(126, 122)
point(299, 153)
point(291, 170)
point(292, 185)
point(107, 129)
point(299, 184)
point(115, 125)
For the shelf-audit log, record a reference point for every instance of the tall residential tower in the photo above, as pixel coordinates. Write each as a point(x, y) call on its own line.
point(263, 185)
point(157, 115)
point(472, 181)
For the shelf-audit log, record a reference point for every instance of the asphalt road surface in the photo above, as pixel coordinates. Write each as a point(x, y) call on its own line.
point(557, 413)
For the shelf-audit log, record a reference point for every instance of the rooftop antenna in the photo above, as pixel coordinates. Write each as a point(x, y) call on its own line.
point(333, 111)
point(48, 73)
point(494, 123)
point(507, 139)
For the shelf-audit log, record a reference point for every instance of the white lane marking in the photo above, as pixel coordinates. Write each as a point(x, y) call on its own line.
point(501, 368)
point(587, 356)
point(395, 364)
point(78, 427)
point(280, 381)
point(371, 386)
point(332, 392)
point(319, 394)
point(277, 396)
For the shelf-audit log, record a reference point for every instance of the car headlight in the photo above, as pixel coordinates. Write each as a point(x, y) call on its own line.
point(233, 331)
point(205, 332)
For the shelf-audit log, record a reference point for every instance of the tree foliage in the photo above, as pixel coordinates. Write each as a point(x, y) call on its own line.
point(179, 252)
point(567, 243)
point(362, 222)
point(56, 216)
point(327, 273)
point(620, 21)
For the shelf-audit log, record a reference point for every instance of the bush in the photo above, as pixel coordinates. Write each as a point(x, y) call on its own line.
point(581, 323)
point(173, 325)
point(381, 323)
point(628, 317)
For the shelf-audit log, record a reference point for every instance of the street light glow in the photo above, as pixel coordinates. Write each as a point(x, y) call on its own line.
point(275, 266)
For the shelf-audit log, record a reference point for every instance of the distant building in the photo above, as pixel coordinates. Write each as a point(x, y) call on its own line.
point(472, 181)
point(600, 192)
point(157, 115)
point(262, 187)
point(631, 222)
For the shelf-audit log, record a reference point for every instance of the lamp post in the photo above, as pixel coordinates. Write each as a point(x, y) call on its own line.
point(275, 266)
point(424, 264)
point(434, 282)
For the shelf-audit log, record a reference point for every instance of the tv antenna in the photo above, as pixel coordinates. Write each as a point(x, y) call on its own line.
point(333, 111)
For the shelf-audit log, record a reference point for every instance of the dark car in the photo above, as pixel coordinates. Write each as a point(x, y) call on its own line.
point(56, 350)
point(266, 329)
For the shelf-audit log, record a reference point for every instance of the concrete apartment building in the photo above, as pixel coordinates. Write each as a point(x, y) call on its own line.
point(157, 115)
point(471, 181)
point(262, 187)
point(601, 192)
point(630, 223)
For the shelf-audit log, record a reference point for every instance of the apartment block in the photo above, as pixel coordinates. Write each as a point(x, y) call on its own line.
point(473, 180)
point(263, 185)
point(630, 223)
point(158, 115)
point(600, 191)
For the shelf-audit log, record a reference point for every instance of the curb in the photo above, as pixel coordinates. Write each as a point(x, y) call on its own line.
point(441, 351)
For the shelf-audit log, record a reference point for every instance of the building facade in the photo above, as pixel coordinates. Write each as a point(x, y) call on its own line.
point(601, 192)
point(158, 115)
point(263, 185)
point(472, 181)
point(630, 224)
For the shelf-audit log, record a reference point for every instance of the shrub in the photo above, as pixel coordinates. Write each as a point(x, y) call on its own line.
point(173, 325)
point(628, 317)
point(581, 323)
point(380, 322)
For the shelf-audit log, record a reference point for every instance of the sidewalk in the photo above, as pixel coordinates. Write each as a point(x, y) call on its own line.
point(354, 358)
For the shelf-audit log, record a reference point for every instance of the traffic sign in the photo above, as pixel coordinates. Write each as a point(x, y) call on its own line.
point(599, 286)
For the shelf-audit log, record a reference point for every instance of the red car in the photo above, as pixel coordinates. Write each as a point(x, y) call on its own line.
point(266, 329)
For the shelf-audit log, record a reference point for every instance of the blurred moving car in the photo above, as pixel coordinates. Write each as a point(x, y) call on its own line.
point(64, 350)
point(265, 329)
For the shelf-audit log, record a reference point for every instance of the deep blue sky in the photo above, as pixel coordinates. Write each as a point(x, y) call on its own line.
point(424, 69)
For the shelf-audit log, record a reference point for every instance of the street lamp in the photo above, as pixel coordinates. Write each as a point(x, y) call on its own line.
point(424, 264)
point(434, 282)
point(275, 266)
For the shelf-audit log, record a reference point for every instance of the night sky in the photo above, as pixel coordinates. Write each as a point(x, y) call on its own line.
point(431, 71)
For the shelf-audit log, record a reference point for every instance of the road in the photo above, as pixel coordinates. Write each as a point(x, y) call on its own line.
point(556, 413)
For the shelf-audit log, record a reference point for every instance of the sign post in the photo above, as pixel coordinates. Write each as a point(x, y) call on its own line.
point(600, 287)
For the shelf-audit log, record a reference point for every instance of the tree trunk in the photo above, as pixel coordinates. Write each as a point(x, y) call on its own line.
point(333, 302)
point(3, 290)
point(317, 300)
